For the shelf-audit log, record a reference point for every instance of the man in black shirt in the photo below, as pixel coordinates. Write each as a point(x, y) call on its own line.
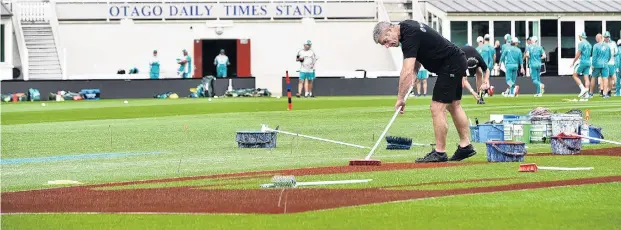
point(478, 69)
point(423, 45)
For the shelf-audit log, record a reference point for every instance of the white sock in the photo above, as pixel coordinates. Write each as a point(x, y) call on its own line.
point(582, 87)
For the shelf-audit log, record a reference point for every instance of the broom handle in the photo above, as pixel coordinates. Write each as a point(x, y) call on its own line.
point(597, 139)
point(394, 116)
point(321, 139)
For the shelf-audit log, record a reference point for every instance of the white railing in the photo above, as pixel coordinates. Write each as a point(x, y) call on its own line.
point(30, 11)
point(53, 19)
point(21, 41)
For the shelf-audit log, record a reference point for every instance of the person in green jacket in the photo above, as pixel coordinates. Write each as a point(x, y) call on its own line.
point(583, 68)
point(601, 57)
point(512, 58)
point(534, 55)
point(618, 65)
point(611, 63)
point(154, 64)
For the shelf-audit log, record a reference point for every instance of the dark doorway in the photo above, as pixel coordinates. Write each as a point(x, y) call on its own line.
point(211, 49)
point(549, 42)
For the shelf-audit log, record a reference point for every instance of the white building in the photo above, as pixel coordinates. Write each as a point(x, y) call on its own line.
point(6, 44)
point(556, 22)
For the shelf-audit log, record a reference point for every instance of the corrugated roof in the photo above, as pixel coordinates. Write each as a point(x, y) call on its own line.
point(527, 6)
point(4, 11)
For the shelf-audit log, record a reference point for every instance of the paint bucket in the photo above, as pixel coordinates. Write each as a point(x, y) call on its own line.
point(566, 145)
point(538, 133)
point(487, 132)
point(566, 123)
point(256, 139)
point(505, 151)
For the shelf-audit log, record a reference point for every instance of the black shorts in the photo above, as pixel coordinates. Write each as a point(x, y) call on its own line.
point(448, 87)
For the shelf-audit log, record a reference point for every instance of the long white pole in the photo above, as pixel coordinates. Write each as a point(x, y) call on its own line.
point(394, 116)
point(317, 138)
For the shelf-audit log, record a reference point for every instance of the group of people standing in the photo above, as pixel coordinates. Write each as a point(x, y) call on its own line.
point(601, 61)
point(185, 69)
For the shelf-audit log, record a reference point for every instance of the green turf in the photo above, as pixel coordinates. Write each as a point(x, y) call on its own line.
point(202, 135)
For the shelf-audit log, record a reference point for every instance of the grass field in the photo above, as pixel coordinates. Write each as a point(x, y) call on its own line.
point(100, 142)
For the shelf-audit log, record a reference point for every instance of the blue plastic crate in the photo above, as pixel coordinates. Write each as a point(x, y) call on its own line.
point(487, 132)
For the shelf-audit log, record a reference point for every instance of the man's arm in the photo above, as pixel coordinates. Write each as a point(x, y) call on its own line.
point(407, 78)
point(465, 83)
point(578, 53)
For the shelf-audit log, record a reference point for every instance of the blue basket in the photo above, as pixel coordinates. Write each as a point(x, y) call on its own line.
point(256, 139)
point(487, 132)
point(505, 151)
point(595, 132)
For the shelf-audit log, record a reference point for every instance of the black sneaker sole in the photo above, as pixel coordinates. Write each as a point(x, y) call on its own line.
point(454, 158)
point(431, 161)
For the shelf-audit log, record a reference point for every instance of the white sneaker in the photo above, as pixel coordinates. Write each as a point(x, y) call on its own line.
point(537, 95)
point(583, 92)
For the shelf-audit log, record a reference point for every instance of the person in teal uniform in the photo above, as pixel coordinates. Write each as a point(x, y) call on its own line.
point(185, 65)
point(601, 57)
point(512, 58)
point(534, 56)
point(584, 66)
point(505, 46)
point(422, 76)
point(612, 70)
point(154, 65)
point(221, 62)
point(618, 65)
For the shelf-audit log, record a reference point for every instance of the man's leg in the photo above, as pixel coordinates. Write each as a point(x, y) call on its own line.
point(440, 126)
point(613, 78)
point(578, 70)
point(418, 83)
point(460, 120)
point(511, 72)
point(310, 88)
point(534, 75)
point(301, 81)
point(443, 94)
point(425, 87)
point(311, 79)
point(618, 84)
point(605, 82)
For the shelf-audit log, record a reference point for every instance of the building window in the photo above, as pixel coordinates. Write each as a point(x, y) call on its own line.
point(568, 39)
point(459, 32)
point(429, 18)
point(500, 29)
point(440, 26)
point(479, 29)
point(520, 33)
point(2, 43)
point(533, 29)
point(592, 28)
point(614, 27)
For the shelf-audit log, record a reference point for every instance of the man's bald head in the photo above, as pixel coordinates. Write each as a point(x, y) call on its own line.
point(598, 37)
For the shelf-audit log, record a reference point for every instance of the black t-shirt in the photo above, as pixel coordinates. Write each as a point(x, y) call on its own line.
point(472, 53)
point(426, 45)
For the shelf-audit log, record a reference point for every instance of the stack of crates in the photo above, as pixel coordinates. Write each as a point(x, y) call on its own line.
point(541, 129)
point(517, 128)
